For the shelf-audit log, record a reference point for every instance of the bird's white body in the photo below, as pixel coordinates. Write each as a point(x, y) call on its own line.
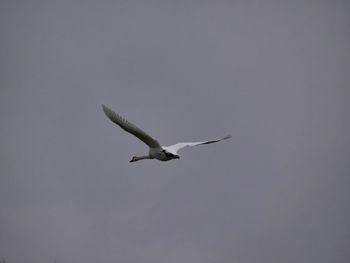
point(156, 151)
point(162, 154)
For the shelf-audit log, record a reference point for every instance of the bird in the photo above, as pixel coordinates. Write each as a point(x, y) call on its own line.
point(156, 151)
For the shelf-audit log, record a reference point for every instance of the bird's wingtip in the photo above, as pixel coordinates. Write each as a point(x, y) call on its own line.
point(105, 109)
point(228, 136)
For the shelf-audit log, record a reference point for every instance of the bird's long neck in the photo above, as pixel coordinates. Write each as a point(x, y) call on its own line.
point(138, 158)
point(142, 157)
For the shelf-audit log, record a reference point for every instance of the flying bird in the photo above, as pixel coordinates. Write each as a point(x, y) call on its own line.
point(156, 151)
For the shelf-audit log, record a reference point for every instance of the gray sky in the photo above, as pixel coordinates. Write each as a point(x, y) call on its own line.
point(274, 74)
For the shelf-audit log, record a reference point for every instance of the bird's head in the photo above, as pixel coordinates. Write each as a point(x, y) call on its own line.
point(134, 159)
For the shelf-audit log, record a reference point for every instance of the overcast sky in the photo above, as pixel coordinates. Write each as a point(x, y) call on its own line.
point(274, 74)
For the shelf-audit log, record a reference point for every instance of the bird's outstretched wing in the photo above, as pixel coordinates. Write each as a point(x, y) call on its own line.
point(178, 146)
point(131, 128)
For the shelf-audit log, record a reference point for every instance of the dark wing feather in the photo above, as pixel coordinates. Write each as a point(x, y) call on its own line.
point(131, 128)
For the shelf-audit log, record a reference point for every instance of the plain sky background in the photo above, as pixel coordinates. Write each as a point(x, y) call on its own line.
point(274, 74)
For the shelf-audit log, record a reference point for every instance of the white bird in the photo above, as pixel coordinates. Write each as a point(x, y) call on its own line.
point(156, 151)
